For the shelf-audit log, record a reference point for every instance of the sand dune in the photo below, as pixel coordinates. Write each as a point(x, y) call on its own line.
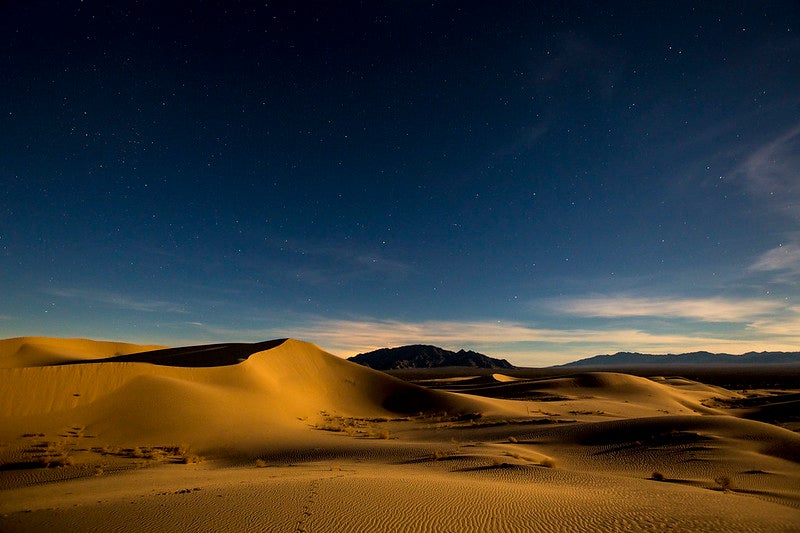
point(42, 351)
point(502, 378)
point(270, 393)
point(282, 436)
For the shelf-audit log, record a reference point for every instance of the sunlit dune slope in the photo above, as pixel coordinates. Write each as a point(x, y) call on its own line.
point(680, 396)
point(268, 397)
point(609, 393)
point(502, 378)
point(703, 432)
point(41, 351)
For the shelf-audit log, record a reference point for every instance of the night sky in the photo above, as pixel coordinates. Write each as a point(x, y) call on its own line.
point(540, 181)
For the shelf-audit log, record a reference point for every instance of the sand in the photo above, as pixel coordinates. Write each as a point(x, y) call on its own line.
point(112, 437)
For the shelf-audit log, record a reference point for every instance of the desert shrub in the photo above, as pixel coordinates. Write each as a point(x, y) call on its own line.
point(383, 434)
point(139, 453)
point(724, 483)
point(190, 459)
point(657, 476)
point(261, 463)
point(53, 461)
point(439, 454)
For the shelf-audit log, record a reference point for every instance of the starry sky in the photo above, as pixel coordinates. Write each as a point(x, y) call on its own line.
point(541, 181)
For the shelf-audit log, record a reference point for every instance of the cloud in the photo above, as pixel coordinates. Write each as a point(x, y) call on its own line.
point(119, 301)
point(525, 344)
point(786, 325)
point(784, 259)
point(773, 170)
point(319, 263)
point(522, 344)
point(702, 309)
point(523, 142)
point(575, 62)
point(455, 334)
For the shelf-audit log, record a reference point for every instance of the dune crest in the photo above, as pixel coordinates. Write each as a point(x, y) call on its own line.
point(20, 352)
point(502, 378)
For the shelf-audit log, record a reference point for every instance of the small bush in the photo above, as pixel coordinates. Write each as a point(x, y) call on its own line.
point(190, 459)
point(724, 483)
point(55, 461)
point(261, 463)
point(657, 476)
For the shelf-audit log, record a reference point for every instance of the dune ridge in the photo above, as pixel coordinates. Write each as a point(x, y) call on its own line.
point(20, 352)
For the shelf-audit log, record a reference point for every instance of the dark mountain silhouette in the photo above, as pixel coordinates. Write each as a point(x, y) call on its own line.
point(692, 358)
point(425, 356)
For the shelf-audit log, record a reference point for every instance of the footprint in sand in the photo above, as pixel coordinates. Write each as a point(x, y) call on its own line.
point(313, 493)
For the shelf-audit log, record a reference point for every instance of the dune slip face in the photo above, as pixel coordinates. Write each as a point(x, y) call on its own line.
point(283, 436)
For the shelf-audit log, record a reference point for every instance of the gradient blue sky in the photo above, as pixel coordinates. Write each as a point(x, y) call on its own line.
point(540, 181)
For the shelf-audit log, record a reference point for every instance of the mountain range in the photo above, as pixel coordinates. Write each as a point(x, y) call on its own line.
point(426, 356)
point(691, 358)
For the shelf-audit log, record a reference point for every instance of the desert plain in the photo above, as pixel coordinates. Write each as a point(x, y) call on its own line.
point(283, 436)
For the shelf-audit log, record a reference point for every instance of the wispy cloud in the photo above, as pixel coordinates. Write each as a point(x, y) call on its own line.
point(573, 58)
point(786, 325)
point(119, 301)
point(523, 142)
point(349, 334)
point(528, 344)
point(773, 170)
point(783, 260)
point(521, 343)
point(318, 263)
point(702, 309)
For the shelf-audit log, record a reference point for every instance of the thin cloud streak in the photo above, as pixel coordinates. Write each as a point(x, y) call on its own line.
point(784, 259)
point(522, 344)
point(787, 326)
point(773, 170)
point(704, 310)
point(530, 344)
point(119, 301)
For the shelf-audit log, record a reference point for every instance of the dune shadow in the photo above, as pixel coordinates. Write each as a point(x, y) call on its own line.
point(208, 355)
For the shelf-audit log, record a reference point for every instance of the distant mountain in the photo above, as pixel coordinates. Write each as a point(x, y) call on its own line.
point(425, 356)
point(692, 358)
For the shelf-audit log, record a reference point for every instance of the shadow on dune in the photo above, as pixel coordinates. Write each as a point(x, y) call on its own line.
point(208, 355)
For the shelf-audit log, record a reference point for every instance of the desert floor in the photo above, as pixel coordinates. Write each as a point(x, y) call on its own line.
point(282, 436)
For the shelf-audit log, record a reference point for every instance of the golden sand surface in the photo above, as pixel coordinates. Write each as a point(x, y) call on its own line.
point(292, 438)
